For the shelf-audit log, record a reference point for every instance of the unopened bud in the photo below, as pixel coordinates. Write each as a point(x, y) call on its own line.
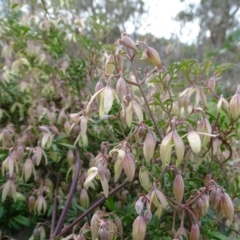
point(215, 197)
point(67, 127)
point(194, 141)
point(226, 205)
point(103, 233)
point(147, 216)
point(144, 178)
point(20, 153)
point(121, 88)
point(109, 65)
point(95, 225)
point(28, 169)
point(205, 199)
point(179, 147)
point(194, 234)
point(139, 228)
point(212, 83)
point(84, 199)
point(178, 188)
point(204, 127)
point(118, 224)
point(153, 56)
point(207, 179)
point(166, 148)
point(139, 206)
point(62, 117)
point(149, 145)
point(128, 42)
point(222, 104)
point(235, 104)
point(31, 203)
point(5, 137)
point(129, 166)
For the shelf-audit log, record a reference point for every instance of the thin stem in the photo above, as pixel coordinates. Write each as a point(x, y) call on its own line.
point(146, 102)
point(70, 194)
point(53, 221)
point(96, 204)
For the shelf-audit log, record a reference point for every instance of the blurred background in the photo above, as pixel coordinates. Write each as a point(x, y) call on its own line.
point(204, 30)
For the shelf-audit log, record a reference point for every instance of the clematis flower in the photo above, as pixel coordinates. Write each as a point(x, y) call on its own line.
point(98, 173)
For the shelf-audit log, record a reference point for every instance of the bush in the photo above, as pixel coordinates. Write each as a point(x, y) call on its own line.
point(149, 153)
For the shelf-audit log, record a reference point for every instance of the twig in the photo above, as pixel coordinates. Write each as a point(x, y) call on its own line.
point(70, 194)
point(53, 220)
point(98, 202)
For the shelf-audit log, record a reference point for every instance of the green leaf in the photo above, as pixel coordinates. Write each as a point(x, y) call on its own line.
point(218, 235)
point(67, 145)
point(22, 220)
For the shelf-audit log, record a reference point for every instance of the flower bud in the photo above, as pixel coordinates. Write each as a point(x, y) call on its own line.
point(144, 178)
point(128, 42)
point(6, 135)
point(103, 233)
point(28, 169)
point(108, 99)
point(70, 158)
point(222, 104)
point(147, 216)
point(215, 197)
point(207, 179)
point(139, 206)
point(235, 104)
point(41, 205)
point(31, 203)
point(20, 153)
point(178, 188)
point(109, 65)
point(121, 88)
point(179, 147)
point(62, 117)
point(226, 205)
point(194, 234)
point(153, 56)
point(204, 127)
point(139, 228)
point(118, 224)
point(129, 166)
point(166, 148)
point(149, 145)
point(95, 225)
point(205, 199)
point(212, 83)
point(194, 141)
point(84, 199)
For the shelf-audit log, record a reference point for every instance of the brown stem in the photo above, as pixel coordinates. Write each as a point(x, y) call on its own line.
point(58, 228)
point(98, 202)
point(53, 221)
